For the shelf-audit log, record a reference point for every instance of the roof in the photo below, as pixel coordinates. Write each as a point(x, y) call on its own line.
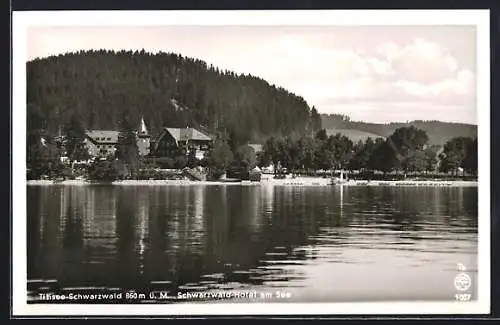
point(256, 169)
point(142, 129)
point(103, 136)
point(256, 147)
point(183, 134)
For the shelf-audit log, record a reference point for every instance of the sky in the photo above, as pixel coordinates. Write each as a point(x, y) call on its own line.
point(375, 74)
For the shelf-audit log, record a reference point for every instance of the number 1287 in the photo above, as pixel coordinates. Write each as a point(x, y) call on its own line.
point(462, 296)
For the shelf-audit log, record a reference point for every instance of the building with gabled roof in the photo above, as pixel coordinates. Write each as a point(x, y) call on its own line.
point(188, 134)
point(173, 139)
point(102, 143)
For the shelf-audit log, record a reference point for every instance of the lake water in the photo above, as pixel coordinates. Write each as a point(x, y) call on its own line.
point(297, 244)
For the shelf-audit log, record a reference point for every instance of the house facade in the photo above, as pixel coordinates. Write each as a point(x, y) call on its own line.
point(171, 140)
point(256, 147)
point(103, 143)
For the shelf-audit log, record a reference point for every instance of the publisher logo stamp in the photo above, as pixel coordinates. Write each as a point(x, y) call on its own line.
point(462, 282)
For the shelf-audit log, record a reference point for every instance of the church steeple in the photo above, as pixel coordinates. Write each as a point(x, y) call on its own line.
point(142, 128)
point(143, 139)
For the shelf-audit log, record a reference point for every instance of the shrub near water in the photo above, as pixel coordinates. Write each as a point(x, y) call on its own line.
point(156, 174)
point(103, 171)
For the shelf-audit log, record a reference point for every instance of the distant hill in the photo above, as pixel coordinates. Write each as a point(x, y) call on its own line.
point(354, 135)
point(438, 132)
point(166, 89)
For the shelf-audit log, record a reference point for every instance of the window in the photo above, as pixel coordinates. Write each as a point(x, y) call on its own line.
point(108, 139)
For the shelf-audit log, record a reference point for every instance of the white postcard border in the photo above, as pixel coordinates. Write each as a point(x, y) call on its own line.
point(23, 20)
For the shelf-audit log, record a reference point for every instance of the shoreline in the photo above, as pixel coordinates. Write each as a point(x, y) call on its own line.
point(299, 181)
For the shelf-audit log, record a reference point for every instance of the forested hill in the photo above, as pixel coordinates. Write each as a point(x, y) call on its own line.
point(167, 89)
point(438, 132)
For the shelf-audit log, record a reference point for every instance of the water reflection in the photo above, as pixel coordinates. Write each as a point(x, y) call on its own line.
point(321, 243)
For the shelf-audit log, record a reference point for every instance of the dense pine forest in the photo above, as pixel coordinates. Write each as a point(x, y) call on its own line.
point(99, 87)
point(438, 132)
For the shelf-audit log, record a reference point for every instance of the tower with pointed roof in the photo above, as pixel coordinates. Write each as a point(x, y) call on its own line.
point(143, 138)
point(143, 130)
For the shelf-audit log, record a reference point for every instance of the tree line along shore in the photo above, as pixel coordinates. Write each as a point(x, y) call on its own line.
point(403, 155)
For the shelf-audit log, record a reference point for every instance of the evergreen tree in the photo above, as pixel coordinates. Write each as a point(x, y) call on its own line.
point(75, 136)
point(362, 153)
point(315, 120)
point(271, 152)
point(306, 152)
point(127, 150)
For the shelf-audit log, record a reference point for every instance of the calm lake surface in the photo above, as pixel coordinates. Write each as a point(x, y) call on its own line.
point(310, 244)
